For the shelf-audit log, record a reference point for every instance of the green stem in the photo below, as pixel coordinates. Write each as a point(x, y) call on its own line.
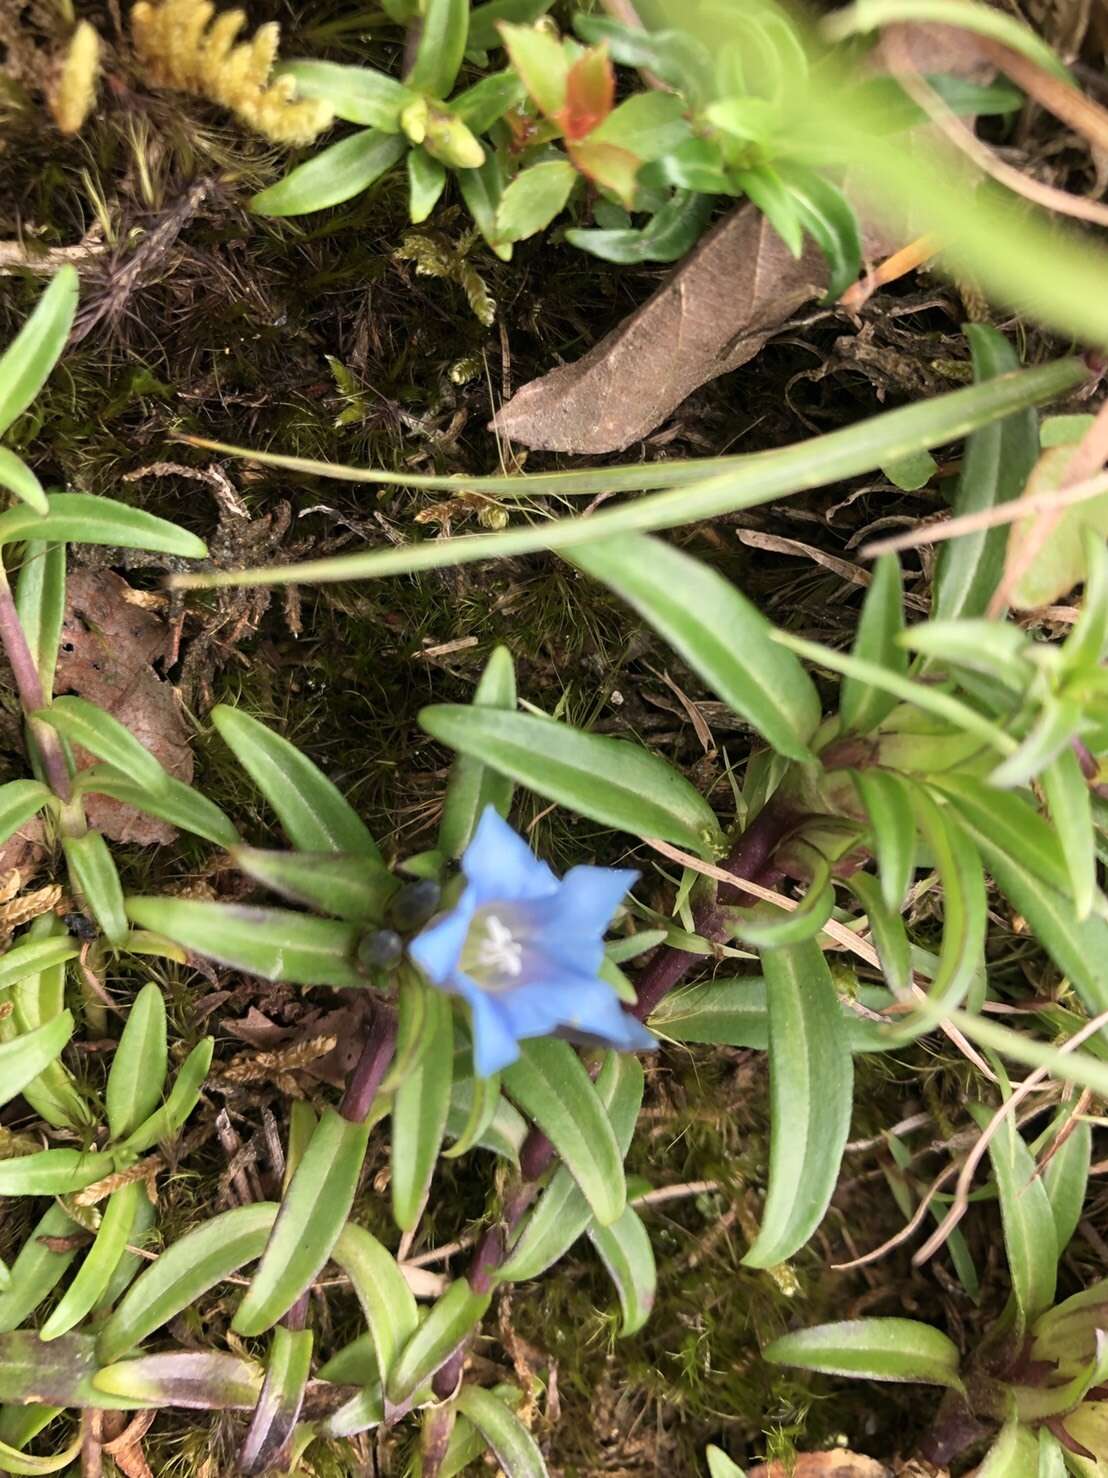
point(31, 696)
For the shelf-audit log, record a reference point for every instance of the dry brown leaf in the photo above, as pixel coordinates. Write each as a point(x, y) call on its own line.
point(109, 643)
point(838, 1463)
point(714, 313)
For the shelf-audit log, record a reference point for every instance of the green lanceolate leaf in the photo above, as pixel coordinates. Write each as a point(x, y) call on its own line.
point(357, 94)
point(456, 1313)
point(95, 879)
point(472, 785)
point(1066, 1178)
point(890, 937)
point(441, 45)
point(426, 181)
point(272, 943)
point(313, 1212)
point(1012, 824)
point(333, 175)
point(609, 780)
point(34, 956)
point(516, 1450)
point(882, 621)
point(192, 1379)
point(811, 1082)
point(22, 1463)
point(166, 1122)
point(24, 1058)
point(353, 888)
point(718, 632)
point(81, 518)
point(720, 1465)
point(18, 478)
point(37, 347)
point(382, 1291)
point(56, 1372)
point(997, 463)
point(828, 217)
point(1030, 1239)
point(33, 976)
point(183, 1273)
point(53, 1172)
point(38, 1269)
point(878, 1349)
point(562, 1213)
point(83, 723)
point(484, 1101)
point(768, 927)
point(314, 813)
point(138, 1070)
point(173, 801)
point(735, 1013)
point(1014, 1454)
point(625, 1250)
point(278, 1408)
point(479, 106)
point(19, 801)
point(1052, 1463)
point(534, 198)
point(504, 1132)
point(1067, 795)
point(40, 602)
point(484, 20)
point(550, 1085)
point(419, 1113)
point(100, 1261)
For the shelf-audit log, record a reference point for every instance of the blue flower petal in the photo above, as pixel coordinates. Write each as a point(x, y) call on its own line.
point(587, 899)
point(494, 1041)
point(437, 949)
point(501, 866)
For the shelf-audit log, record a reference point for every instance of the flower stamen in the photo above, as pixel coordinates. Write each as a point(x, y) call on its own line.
point(499, 949)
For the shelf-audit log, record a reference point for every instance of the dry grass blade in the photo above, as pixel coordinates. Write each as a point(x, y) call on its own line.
point(1083, 115)
point(907, 1230)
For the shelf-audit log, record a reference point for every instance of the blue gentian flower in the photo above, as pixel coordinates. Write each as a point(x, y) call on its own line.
point(524, 949)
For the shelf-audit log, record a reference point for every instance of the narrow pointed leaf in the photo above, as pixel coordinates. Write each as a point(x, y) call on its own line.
point(19, 801)
point(473, 785)
point(36, 348)
point(313, 1212)
point(137, 1076)
point(890, 937)
point(25, 1057)
point(881, 623)
point(200, 1381)
point(516, 1450)
point(811, 1082)
point(1014, 1454)
point(451, 1318)
point(173, 801)
point(716, 630)
point(82, 518)
point(272, 943)
point(333, 175)
point(766, 926)
point(550, 1085)
point(35, 956)
point(100, 1261)
point(878, 1349)
point(382, 1291)
point(183, 1273)
point(53, 1172)
point(83, 723)
point(37, 1270)
point(485, 1100)
point(23, 1464)
point(504, 1133)
point(282, 1394)
point(167, 1121)
point(1066, 1178)
point(608, 780)
point(95, 879)
point(441, 45)
point(353, 888)
point(627, 1254)
point(40, 601)
point(357, 94)
point(735, 1013)
point(18, 478)
point(419, 1113)
point(1067, 795)
point(314, 813)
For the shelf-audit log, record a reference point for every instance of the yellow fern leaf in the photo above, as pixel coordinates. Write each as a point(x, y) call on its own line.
point(184, 44)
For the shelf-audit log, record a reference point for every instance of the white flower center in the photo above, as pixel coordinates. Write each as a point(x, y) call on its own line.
point(499, 949)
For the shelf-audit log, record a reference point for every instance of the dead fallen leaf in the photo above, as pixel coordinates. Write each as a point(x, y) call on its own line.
point(333, 1067)
point(822, 1465)
point(25, 849)
point(109, 643)
point(712, 314)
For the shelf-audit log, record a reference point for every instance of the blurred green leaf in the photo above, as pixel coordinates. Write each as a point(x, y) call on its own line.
point(828, 217)
point(18, 478)
point(38, 1268)
point(201, 1380)
point(426, 181)
point(993, 648)
point(137, 1076)
point(534, 198)
point(332, 176)
point(911, 473)
point(890, 937)
point(382, 1291)
point(1067, 795)
point(550, 1085)
point(25, 1057)
point(419, 1111)
point(53, 1172)
point(1052, 1464)
point(353, 888)
point(313, 811)
point(81, 518)
point(27, 958)
point(92, 872)
point(735, 1013)
point(811, 1081)
point(625, 1250)
point(272, 943)
point(540, 60)
point(451, 1318)
point(440, 47)
point(646, 124)
point(183, 1273)
point(275, 1416)
point(608, 780)
point(717, 631)
point(1014, 1454)
point(766, 926)
point(40, 603)
point(166, 1122)
point(876, 640)
point(23, 1463)
point(484, 20)
point(99, 1263)
point(1066, 1177)
point(720, 1465)
point(1056, 725)
point(878, 1349)
point(357, 94)
point(516, 1450)
point(472, 785)
point(174, 802)
point(19, 801)
point(479, 106)
point(485, 1100)
point(313, 1213)
point(105, 737)
point(506, 1130)
point(27, 361)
